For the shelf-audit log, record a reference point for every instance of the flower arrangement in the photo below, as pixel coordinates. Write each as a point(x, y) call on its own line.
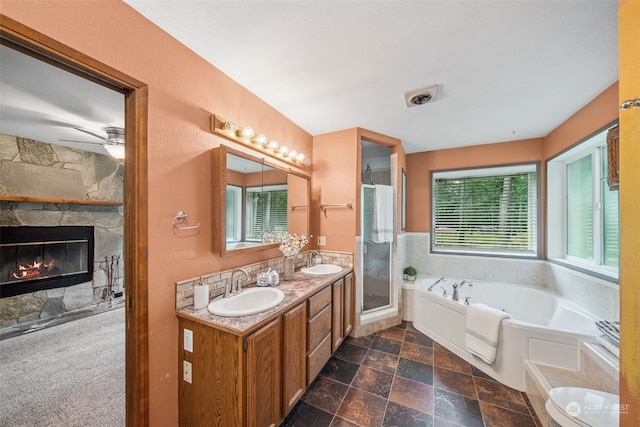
point(291, 244)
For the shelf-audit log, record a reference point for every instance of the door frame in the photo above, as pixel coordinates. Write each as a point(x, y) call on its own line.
point(38, 45)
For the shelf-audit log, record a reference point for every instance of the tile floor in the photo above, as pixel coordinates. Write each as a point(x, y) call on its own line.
point(400, 377)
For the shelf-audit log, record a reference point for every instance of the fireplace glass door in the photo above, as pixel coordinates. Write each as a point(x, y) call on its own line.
point(36, 258)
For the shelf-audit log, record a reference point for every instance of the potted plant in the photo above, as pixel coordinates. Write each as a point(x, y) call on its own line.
point(410, 273)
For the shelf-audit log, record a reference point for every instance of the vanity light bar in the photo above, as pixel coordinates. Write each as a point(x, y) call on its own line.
point(246, 135)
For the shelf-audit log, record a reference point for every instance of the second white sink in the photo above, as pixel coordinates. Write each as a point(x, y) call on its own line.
point(250, 301)
point(322, 269)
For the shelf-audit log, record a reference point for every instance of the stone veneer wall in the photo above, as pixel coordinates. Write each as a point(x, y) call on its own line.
point(35, 169)
point(220, 280)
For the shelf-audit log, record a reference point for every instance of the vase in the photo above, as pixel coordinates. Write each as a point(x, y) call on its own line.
point(288, 268)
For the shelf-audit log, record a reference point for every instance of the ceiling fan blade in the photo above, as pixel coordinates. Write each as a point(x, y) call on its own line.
point(92, 134)
point(82, 142)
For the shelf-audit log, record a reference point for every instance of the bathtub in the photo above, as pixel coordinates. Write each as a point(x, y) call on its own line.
point(543, 327)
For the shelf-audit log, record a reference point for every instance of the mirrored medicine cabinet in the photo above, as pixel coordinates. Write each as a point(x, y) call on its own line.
point(254, 202)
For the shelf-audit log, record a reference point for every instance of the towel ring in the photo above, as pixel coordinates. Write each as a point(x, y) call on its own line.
point(182, 217)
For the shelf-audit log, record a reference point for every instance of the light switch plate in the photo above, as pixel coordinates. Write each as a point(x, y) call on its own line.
point(188, 340)
point(186, 371)
point(322, 240)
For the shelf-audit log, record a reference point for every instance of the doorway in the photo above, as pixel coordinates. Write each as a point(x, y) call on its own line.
point(135, 93)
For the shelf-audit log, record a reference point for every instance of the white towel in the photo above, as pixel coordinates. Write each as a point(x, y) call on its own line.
point(383, 214)
point(483, 329)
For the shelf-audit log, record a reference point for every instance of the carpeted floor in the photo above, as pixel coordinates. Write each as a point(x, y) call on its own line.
point(71, 374)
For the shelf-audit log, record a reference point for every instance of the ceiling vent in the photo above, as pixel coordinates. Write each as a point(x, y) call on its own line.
point(421, 96)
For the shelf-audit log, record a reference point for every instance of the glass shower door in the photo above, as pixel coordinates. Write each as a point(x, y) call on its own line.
point(376, 259)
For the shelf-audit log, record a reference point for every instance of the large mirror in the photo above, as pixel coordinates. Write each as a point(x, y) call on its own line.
point(255, 202)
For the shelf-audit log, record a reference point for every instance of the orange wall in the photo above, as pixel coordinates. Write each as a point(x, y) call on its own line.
point(629, 11)
point(184, 91)
point(333, 181)
point(420, 165)
point(601, 111)
point(336, 179)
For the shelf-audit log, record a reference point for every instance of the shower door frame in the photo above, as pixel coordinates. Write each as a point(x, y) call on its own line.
point(363, 243)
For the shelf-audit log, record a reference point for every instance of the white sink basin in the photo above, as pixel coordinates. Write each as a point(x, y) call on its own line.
point(250, 301)
point(322, 269)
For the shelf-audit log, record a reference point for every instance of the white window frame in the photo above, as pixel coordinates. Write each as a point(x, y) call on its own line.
point(487, 172)
point(557, 208)
point(237, 237)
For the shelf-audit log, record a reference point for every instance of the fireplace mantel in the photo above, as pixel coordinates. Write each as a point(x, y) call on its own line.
point(61, 201)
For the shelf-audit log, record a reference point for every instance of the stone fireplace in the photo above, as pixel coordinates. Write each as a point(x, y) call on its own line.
point(46, 186)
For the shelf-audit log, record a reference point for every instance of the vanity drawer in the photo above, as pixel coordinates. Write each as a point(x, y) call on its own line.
point(319, 301)
point(319, 326)
point(317, 358)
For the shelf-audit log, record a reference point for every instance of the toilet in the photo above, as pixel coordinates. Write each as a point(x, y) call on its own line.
point(582, 407)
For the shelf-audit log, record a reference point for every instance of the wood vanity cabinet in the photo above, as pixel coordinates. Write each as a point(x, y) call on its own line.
point(343, 310)
point(319, 332)
point(348, 305)
point(236, 381)
point(256, 378)
point(294, 372)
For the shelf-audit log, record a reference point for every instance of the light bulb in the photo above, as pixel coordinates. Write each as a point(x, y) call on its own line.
point(273, 145)
point(284, 150)
point(300, 158)
point(245, 132)
point(259, 139)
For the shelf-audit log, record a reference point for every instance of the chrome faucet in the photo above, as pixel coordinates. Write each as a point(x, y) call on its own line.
point(442, 279)
point(310, 262)
point(456, 286)
point(234, 286)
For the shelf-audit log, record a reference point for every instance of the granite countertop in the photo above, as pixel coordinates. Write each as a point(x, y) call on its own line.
point(301, 287)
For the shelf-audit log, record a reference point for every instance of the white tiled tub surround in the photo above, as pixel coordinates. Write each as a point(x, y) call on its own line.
point(219, 280)
point(600, 297)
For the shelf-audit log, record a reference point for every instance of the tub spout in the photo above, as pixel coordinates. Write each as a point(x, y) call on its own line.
point(464, 282)
point(442, 279)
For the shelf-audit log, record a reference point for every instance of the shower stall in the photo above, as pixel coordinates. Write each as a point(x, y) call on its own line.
point(376, 246)
point(376, 258)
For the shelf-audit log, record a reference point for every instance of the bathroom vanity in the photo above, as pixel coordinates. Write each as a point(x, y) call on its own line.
point(252, 370)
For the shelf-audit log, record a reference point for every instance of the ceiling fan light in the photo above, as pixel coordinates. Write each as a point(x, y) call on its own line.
point(116, 151)
point(115, 134)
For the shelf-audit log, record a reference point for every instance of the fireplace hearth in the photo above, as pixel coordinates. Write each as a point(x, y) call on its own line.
point(39, 258)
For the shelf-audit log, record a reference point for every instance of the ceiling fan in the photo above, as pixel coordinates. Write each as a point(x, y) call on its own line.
point(114, 140)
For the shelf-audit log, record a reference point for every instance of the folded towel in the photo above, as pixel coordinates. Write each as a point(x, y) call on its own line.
point(383, 214)
point(611, 329)
point(483, 329)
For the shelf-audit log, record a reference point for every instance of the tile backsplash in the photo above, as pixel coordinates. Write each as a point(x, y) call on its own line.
point(220, 280)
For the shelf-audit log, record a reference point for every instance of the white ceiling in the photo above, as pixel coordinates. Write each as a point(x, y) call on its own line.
point(45, 103)
point(506, 70)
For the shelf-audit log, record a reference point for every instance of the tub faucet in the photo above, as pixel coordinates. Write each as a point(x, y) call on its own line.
point(442, 279)
point(235, 287)
point(456, 286)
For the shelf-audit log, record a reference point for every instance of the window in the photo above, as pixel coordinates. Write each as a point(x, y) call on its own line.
point(583, 229)
point(234, 213)
point(266, 211)
point(486, 211)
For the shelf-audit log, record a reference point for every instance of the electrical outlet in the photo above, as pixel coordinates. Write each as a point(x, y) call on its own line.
point(322, 240)
point(186, 371)
point(188, 340)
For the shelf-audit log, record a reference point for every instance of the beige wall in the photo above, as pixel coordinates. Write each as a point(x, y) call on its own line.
point(184, 91)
